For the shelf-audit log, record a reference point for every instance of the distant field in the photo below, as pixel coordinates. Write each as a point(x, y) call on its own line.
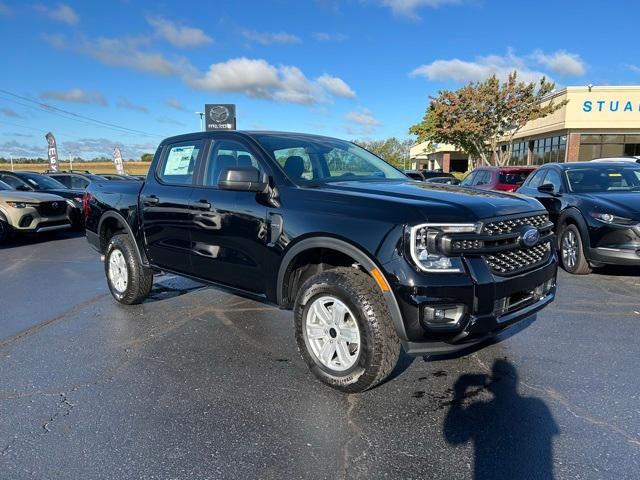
point(132, 168)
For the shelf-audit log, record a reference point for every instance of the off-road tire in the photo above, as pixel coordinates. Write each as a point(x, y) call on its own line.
point(379, 344)
point(139, 277)
point(581, 265)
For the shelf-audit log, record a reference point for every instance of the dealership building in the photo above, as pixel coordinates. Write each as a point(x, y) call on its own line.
point(596, 122)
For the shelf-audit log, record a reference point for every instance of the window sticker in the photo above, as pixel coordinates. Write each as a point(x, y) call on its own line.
point(179, 160)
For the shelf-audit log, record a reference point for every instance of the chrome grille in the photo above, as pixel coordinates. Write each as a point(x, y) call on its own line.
point(512, 261)
point(512, 225)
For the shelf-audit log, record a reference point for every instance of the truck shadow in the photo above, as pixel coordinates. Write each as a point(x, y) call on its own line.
point(512, 434)
point(168, 286)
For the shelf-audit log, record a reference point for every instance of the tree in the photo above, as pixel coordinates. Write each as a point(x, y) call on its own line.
point(146, 157)
point(482, 118)
point(393, 150)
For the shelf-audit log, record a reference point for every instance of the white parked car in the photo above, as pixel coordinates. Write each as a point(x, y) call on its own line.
point(617, 159)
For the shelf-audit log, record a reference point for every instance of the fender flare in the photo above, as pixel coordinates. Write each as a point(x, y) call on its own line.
point(348, 249)
point(575, 215)
point(142, 257)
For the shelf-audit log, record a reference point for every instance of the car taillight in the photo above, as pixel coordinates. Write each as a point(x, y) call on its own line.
point(86, 198)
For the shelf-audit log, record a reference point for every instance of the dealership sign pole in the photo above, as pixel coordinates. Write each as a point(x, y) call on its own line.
point(117, 160)
point(52, 152)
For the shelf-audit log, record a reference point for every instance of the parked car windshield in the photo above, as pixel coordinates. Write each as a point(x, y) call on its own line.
point(307, 160)
point(4, 186)
point(604, 179)
point(41, 182)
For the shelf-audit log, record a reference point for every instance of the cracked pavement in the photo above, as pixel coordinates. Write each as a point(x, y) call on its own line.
point(200, 384)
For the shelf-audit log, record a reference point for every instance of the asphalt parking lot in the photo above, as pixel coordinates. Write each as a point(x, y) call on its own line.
point(199, 384)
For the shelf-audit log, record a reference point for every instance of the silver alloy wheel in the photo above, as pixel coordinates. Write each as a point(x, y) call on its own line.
point(332, 333)
point(570, 249)
point(118, 271)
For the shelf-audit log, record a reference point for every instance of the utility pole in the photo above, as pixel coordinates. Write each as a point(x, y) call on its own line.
point(201, 120)
point(70, 162)
point(11, 157)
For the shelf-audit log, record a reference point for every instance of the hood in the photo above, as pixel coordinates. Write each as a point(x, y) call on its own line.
point(30, 197)
point(624, 204)
point(438, 202)
point(67, 192)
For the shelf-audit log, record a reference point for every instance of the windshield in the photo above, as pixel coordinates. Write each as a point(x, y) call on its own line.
point(4, 186)
point(41, 182)
point(307, 160)
point(605, 179)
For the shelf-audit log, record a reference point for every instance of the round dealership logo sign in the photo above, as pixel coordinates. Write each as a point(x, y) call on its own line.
point(219, 114)
point(530, 236)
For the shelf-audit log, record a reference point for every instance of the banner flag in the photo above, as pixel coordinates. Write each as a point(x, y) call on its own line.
point(117, 160)
point(52, 152)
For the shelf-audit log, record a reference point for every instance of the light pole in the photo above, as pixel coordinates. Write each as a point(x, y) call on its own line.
point(201, 120)
point(11, 157)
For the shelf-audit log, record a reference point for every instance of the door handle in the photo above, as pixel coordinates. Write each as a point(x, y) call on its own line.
point(149, 199)
point(203, 204)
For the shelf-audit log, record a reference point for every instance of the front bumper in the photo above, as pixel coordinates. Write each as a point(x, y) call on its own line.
point(28, 220)
point(628, 255)
point(479, 290)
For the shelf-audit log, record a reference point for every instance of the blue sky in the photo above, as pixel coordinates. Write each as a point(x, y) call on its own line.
point(351, 69)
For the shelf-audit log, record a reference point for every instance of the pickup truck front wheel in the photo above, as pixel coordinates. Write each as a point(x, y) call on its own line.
point(344, 331)
point(129, 281)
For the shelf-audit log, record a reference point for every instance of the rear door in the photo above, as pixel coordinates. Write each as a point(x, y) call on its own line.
point(228, 231)
point(165, 206)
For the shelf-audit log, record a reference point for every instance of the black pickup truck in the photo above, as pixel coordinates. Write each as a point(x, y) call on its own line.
point(367, 259)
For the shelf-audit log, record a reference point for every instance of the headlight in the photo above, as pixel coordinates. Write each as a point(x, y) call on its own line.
point(424, 250)
point(20, 204)
point(611, 219)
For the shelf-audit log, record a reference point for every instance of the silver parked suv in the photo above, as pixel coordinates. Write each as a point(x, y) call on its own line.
point(30, 212)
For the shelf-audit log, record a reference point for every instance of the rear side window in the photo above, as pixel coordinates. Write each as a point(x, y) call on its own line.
point(63, 179)
point(179, 163)
point(513, 178)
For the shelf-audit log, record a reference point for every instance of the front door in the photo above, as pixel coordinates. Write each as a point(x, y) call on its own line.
point(228, 232)
point(165, 206)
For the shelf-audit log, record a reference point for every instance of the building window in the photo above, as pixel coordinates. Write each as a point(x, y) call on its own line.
point(606, 146)
point(547, 150)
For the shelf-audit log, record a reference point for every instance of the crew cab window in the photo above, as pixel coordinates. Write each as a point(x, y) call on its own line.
point(179, 164)
point(226, 154)
point(553, 177)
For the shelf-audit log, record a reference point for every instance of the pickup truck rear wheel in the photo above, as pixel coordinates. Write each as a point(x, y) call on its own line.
point(129, 281)
point(344, 331)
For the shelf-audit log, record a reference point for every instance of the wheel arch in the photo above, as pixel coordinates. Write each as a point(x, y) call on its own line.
point(112, 223)
point(574, 216)
point(343, 247)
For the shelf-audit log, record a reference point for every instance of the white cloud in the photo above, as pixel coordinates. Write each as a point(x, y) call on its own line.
point(258, 78)
point(336, 86)
point(62, 13)
point(330, 37)
point(124, 103)
point(127, 52)
point(361, 122)
point(75, 95)
point(268, 38)
point(462, 71)
point(177, 35)
point(407, 8)
point(175, 103)
point(561, 62)
point(634, 68)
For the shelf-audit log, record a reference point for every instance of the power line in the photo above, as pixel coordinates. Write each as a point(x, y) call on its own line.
point(53, 110)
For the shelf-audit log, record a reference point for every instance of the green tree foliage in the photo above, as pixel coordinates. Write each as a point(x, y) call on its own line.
point(481, 117)
point(393, 150)
point(146, 157)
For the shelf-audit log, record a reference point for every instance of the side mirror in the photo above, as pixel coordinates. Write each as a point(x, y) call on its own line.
point(244, 179)
point(547, 188)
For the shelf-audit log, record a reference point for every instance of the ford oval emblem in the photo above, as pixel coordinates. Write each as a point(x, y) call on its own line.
point(530, 236)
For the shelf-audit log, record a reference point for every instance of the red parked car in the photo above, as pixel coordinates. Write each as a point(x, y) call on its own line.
point(505, 179)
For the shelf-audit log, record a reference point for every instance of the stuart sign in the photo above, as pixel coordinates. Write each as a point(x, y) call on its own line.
point(610, 106)
point(220, 116)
